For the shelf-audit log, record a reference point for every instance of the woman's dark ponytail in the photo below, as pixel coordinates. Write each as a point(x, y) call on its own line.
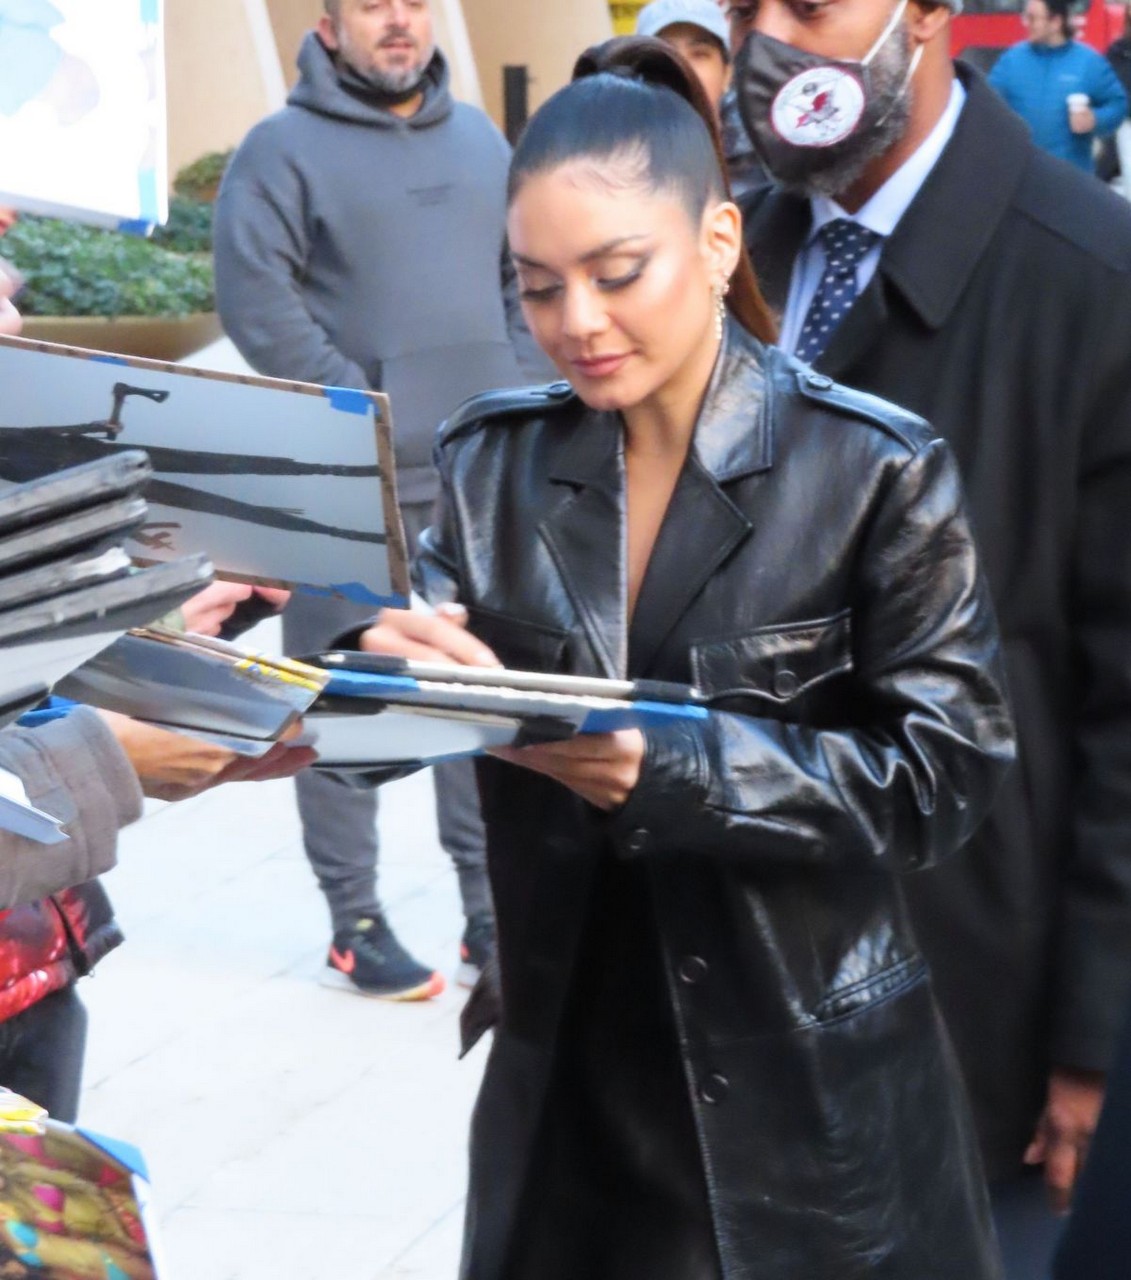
point(653, 62)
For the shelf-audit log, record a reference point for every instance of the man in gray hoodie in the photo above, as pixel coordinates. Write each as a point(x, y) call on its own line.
point(360, 242)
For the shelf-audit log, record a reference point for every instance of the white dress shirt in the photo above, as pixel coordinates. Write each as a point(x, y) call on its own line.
point(880, 214)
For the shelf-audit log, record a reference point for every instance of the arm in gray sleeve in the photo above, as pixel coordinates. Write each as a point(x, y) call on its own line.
point(261, 250)
point(75, 770)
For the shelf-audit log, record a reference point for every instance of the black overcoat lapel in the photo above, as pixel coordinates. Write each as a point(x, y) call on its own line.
point(585, 535)
point(703, 526)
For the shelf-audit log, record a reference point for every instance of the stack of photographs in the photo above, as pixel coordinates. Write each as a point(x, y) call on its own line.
point(360, 712)
point(67, 587)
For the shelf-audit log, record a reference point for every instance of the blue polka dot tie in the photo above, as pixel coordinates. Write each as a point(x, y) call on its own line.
point(846, 244)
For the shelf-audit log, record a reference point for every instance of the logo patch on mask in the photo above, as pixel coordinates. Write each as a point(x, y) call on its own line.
point(818, 107)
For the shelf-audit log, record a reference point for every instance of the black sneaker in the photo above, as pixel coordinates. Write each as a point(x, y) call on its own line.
point(476, 948)
point(369, 961)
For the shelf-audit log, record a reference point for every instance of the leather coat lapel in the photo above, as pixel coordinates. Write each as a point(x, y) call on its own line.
point(585, 534)
point(731, 441)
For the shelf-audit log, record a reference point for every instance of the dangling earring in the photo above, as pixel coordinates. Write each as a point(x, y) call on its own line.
point(719, 292)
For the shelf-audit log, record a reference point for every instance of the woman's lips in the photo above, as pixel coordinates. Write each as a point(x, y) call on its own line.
point(600, 366)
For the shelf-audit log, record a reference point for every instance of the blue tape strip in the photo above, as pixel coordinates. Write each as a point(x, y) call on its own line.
point(151, 11)
point(124, 1152)
point(355, 592)
point(365, 684)
point(137, 227)
point(642, 715)
point(52, 709)
point(148, 202)
point(347, 400)
point(102, 359)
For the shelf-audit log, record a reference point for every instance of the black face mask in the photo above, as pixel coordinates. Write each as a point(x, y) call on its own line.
point(816, 122)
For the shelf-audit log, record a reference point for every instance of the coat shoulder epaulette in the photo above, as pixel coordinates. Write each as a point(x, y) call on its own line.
point(908, 428)
point(510, 403)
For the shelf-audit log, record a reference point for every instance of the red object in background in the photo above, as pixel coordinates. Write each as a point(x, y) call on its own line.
point(985, 27)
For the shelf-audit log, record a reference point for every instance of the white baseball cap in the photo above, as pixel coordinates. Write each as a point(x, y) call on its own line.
point(706, 14)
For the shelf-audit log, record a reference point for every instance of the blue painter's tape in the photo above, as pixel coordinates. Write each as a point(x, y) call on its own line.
point(348, 400)
point(642, 715)
point(149, 206)
point(124, 1152)
point(355, 592)
point(109, 360)
point(364, 684)
point(136, 227)
point(151, 11)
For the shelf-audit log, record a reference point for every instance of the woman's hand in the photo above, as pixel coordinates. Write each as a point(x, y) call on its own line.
point(602, 768)
point(171, 766)
point(428, 637)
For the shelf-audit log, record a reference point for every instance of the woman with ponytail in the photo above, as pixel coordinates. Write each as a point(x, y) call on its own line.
point(716, 1051)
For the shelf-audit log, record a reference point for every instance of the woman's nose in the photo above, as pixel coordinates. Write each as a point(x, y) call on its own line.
point(584, 312)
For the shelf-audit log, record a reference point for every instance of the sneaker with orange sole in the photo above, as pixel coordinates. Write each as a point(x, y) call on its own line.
point(369, 961)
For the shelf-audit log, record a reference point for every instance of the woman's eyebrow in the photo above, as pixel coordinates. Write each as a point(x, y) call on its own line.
point(601, 250)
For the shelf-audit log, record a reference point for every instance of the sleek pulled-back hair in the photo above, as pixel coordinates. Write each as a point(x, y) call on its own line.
point(638, 113)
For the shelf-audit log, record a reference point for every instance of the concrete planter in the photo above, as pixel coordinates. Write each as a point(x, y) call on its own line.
point(168, 338)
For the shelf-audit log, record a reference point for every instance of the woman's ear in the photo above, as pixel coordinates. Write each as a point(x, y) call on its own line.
point(722, 239)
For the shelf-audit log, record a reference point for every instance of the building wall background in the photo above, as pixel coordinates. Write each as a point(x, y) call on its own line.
point(230, 62)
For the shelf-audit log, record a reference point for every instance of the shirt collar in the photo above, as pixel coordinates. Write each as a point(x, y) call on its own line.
point(883, 211)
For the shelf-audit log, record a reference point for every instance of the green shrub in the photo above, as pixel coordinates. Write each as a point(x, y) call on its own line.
point(199, 180)
point(189, 229)
point(73, 270)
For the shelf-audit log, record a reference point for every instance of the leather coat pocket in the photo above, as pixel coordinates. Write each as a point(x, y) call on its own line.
point(778, 664)
point(520, 645)
point(845, 1001)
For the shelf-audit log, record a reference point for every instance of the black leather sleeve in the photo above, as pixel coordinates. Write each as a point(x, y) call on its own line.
point(907, 785)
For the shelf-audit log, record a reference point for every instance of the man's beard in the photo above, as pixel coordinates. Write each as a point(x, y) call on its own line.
point(831, 171)
point(395, 84)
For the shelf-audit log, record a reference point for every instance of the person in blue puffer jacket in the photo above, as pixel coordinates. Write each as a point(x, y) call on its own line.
point(1038, 77)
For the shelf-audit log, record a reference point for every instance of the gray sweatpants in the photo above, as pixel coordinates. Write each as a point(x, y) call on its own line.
point(339, 822)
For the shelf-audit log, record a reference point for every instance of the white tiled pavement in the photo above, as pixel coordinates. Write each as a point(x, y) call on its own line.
point(293, 1132)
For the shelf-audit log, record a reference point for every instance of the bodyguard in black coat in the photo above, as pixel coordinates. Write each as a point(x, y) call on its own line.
point(1001, 312)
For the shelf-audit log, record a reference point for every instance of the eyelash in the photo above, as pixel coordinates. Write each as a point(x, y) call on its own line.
point(606, 286)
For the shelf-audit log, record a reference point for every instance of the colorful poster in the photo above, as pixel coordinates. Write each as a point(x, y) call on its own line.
point(82, 110)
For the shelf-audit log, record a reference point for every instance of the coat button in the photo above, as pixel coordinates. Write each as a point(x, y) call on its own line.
point(714, 1089)
point(637, 840)
point(819, 382)
point(692, 969)
point(786, 684)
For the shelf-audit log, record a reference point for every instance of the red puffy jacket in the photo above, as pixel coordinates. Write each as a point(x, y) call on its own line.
point(46, 945)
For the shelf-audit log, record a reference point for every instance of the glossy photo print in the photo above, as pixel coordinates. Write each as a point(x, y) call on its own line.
point(279, 483)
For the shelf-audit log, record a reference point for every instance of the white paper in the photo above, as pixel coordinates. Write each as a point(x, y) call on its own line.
point(18, 814)
point(392, 736)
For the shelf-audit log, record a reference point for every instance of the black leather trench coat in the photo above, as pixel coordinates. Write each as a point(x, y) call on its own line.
point(816, 574)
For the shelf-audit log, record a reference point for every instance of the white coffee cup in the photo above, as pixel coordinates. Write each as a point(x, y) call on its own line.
point(1077, 102)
